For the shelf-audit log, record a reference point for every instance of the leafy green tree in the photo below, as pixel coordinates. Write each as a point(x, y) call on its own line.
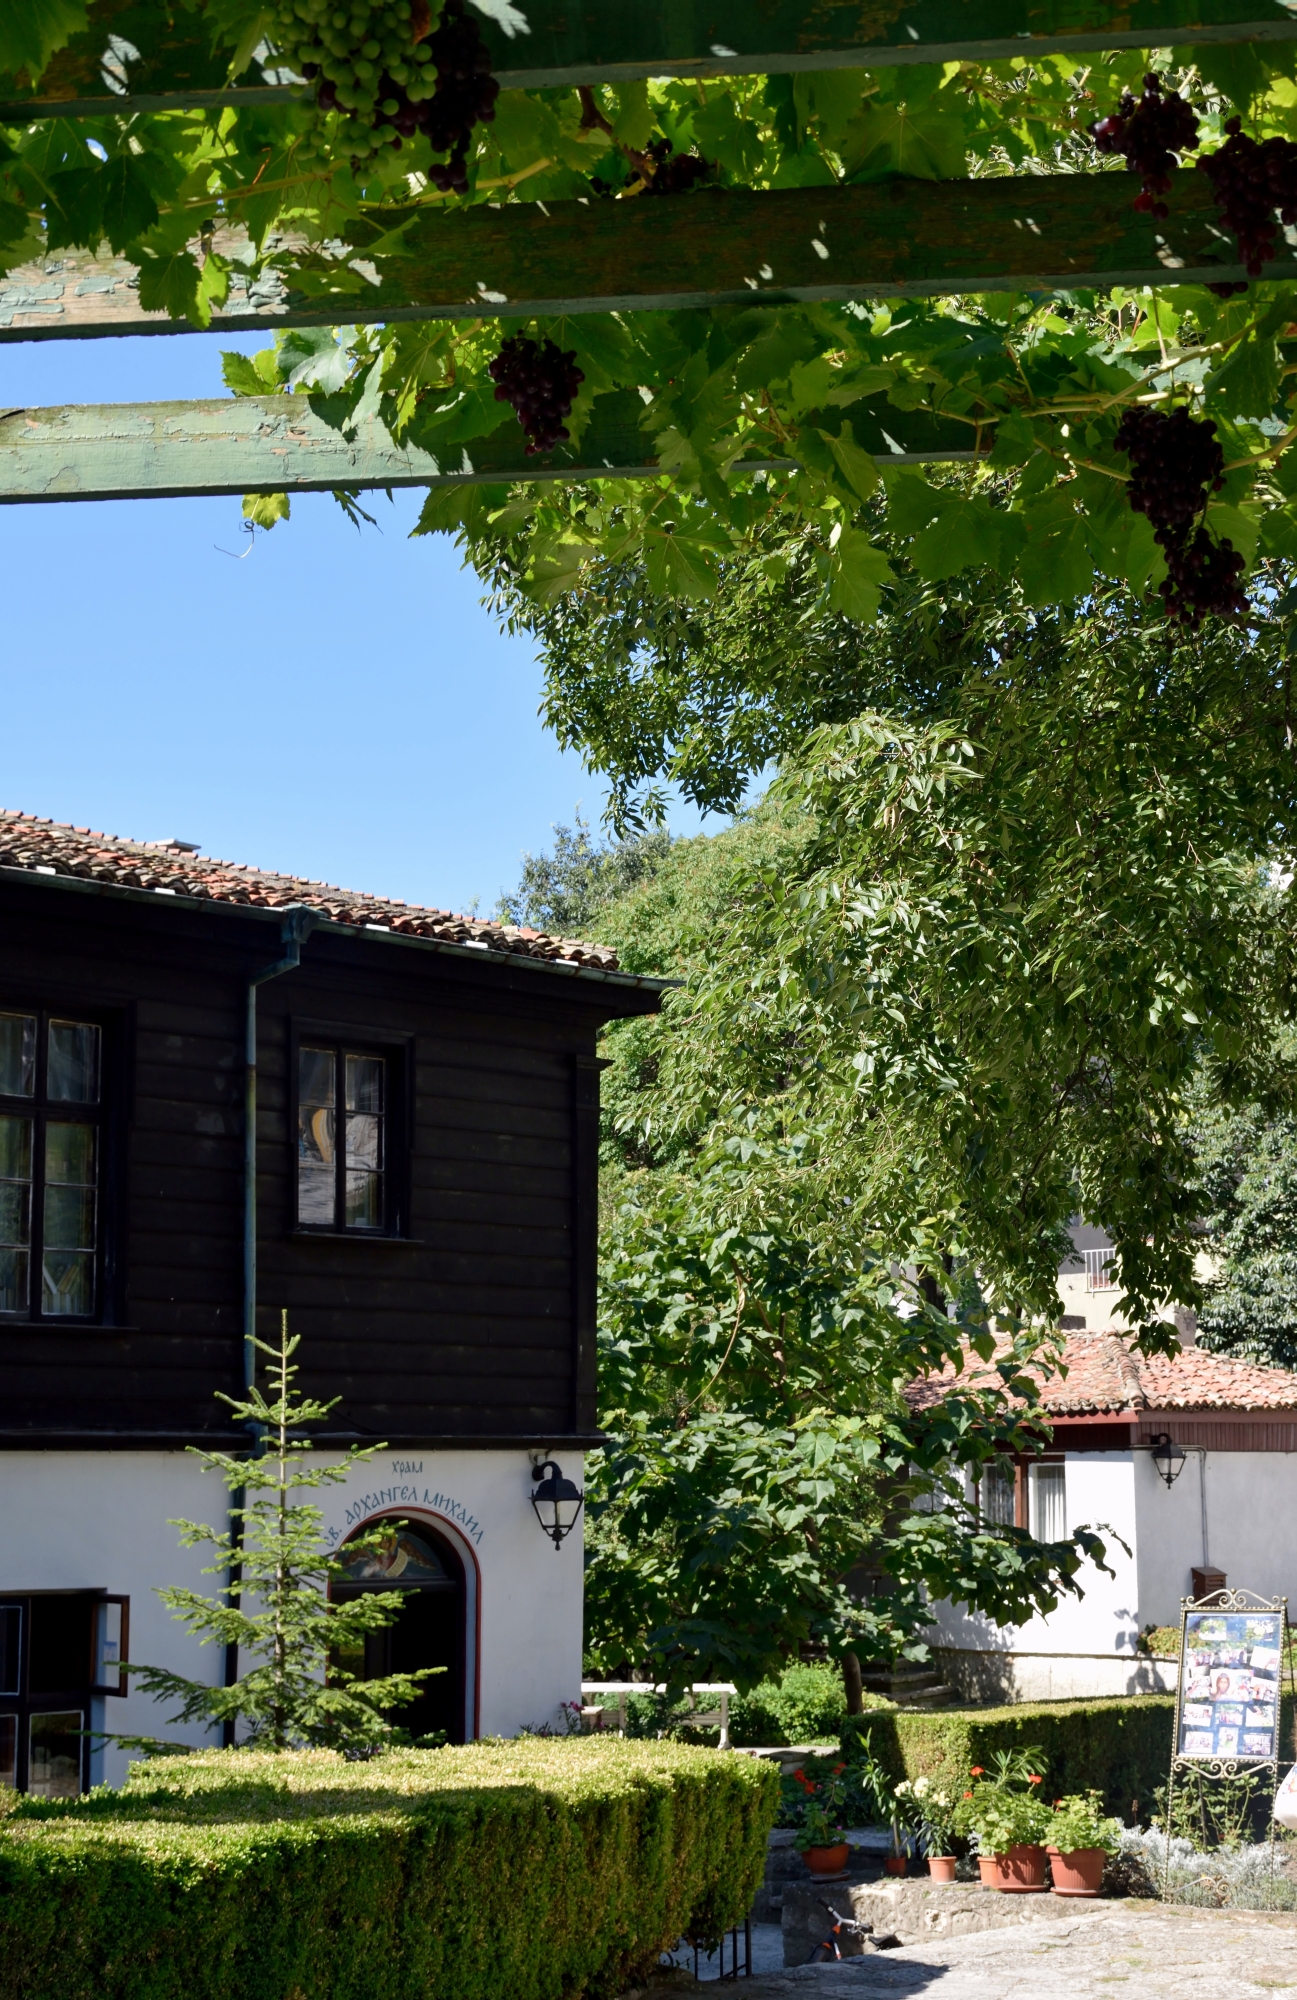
point(274, 1605)
point(564, 891)
point(1246, 1160)
point(752, 1381)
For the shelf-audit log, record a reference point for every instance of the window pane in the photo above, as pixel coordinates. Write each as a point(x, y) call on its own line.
point(69, 1154)
point(364, 1200)
point(364, 1141)
point(67, 1283)
point(9, 1751)
point(15, 1212)
point(997, 1495)
point(69, 1218)
point(315, 1076)
point(15, 1149)
point(74, 1062)
point(13, 1280)
point(17, 1055)
point(11, 1625)
point(365, 1083)
point(54, 1755)
point(1049, 1502)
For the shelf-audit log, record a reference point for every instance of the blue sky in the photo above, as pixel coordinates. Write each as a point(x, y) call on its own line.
point(334, 705)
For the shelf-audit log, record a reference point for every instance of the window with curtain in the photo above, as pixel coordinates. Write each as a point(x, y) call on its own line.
point(1047, 1493)
point(341, 1140)
point(995, 1494)
point(51, 1152)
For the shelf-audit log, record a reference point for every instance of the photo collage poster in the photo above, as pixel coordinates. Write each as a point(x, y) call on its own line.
point(1229, 1674)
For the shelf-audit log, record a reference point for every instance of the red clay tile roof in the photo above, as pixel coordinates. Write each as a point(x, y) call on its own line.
point(1104, 1376)
point(43, 846)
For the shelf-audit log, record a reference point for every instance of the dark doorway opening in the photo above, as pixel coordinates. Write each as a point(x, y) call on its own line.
point(429, 1630)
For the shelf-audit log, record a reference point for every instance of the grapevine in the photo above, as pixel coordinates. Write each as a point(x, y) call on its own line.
point(1176, 463)
point(1149, 132)
point(387, 74)
point(1251, 180)
point(541, 382)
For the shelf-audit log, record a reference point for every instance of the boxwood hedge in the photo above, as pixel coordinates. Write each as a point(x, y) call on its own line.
point(1121, 1747)
point(537, 1869)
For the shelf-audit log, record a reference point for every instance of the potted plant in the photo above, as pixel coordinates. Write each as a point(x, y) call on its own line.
point(821, 1839)
point(930, 1813)
point(1079, 1839)
point(1009, 1827)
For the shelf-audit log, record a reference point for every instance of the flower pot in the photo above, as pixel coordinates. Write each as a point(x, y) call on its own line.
point(894, 1864)
point(1079, 1873)
point(1019, 1872)
point(941, 1867)
point(826, 1860)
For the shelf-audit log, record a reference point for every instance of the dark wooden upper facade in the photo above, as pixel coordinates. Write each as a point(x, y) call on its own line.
point(470, 1319)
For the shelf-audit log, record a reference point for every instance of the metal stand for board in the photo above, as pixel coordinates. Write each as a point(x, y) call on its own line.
point(1219, 1625)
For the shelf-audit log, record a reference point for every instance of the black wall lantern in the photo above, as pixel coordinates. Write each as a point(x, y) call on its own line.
point(1168, 1457)
point(556, 1500)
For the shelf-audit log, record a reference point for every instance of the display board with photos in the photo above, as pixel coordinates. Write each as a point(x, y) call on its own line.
point(1229, 1680)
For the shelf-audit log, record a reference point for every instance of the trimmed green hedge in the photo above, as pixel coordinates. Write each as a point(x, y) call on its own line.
point(1121, 1747)
point(805, 1705)
point(535, 1869)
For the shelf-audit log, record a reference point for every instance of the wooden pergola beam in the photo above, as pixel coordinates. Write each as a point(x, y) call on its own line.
point(589, 41)
point(276, 444)
point(902, 238)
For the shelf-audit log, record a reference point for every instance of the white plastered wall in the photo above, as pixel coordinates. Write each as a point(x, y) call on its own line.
point(1250, 1529)
point(1087, 1646)
point(82, 1520)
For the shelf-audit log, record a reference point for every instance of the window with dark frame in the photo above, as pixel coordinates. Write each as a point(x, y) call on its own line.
point(51, 1165)
point(342, 1139)
point(58, 1651)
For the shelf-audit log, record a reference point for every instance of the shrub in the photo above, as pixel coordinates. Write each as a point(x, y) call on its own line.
point(535, 1869)
point(1119, 1747)
point(805, 1705)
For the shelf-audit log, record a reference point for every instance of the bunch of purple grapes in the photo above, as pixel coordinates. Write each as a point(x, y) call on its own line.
point(676, 173)
point(1251, 180)
point(1149, 132)
point(541, 382)
point(1176, 463)
point(464, 95)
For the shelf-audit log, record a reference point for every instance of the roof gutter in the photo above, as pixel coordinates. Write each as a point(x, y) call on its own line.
point(209, 905)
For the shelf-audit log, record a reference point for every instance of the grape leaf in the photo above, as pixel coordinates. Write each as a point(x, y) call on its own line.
point(32, 30)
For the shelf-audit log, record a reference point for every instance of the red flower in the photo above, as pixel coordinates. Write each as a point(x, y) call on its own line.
point(968, 1795)
point(838, 1769)
point(1035, 1781)
point(978, 1771)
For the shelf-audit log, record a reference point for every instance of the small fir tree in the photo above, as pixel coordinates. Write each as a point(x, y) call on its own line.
point(275, 1606)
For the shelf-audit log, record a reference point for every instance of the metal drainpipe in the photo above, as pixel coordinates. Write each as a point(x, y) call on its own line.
point(298, 922)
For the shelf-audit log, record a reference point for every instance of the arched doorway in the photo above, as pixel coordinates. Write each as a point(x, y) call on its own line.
point(428, 1631)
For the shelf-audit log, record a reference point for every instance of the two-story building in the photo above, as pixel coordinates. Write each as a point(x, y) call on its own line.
point(224, 1092)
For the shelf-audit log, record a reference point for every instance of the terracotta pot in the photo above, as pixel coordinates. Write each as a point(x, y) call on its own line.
point(1079, 1873)
point(941, 1867)
point(1019, 1872)
point(895, 1864)
point(826, 1860)
point(988, 1869)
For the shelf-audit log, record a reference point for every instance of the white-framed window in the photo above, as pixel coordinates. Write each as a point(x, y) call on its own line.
point(1047, 1500)
point(1098, 1271)
point(996, 1491)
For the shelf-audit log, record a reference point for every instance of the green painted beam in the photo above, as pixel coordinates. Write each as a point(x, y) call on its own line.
point(584, 41)
point(274, 444)
point(903, 238)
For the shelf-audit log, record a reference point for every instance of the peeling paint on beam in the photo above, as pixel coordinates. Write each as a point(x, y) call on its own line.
point(276, 444)
point(900, 238)
point(587, 41)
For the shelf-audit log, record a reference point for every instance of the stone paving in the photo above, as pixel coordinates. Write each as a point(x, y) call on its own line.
point(1171, 1953)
